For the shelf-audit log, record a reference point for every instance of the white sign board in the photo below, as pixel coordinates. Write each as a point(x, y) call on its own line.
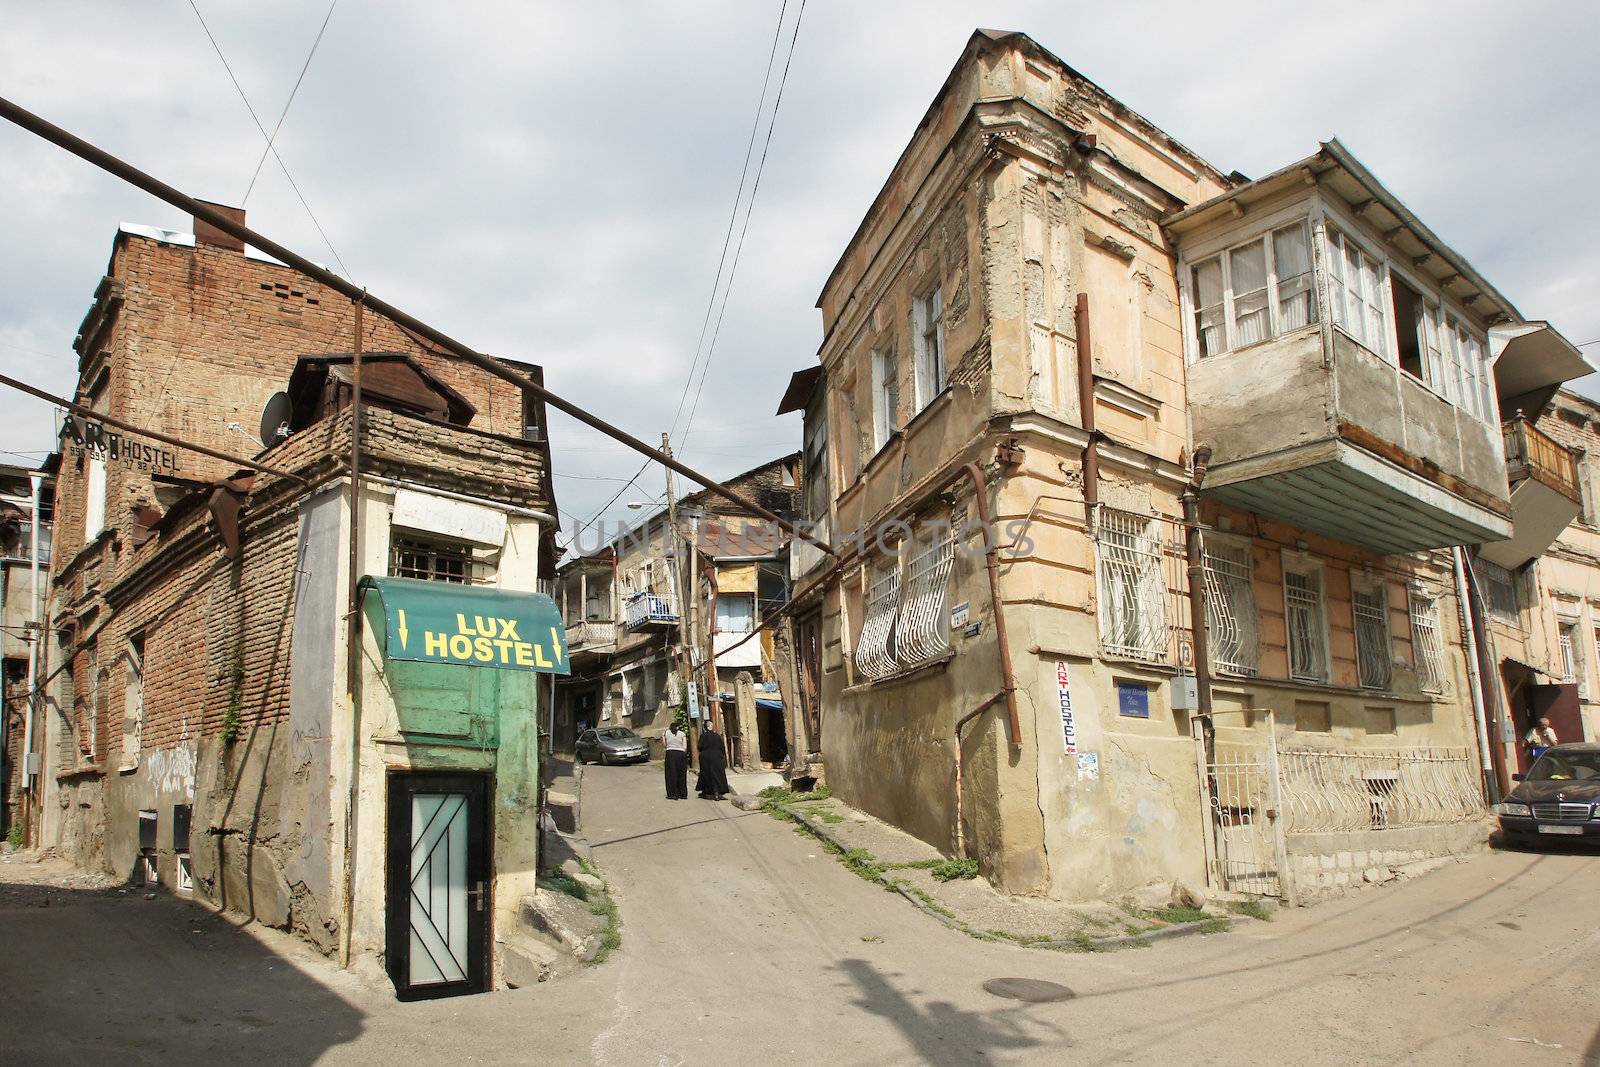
point(449, 518)
point(1069, 727)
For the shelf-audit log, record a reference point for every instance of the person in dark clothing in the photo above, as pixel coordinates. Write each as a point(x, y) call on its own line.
point(677, 750)
point(713, 781)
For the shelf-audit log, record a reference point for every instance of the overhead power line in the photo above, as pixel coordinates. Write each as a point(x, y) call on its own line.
point(452, 347)
point(268, 137)
point(272, 140)
point(749, 210)
point(733, 216)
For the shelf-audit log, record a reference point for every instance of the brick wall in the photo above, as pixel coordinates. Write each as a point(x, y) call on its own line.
point(203, 338)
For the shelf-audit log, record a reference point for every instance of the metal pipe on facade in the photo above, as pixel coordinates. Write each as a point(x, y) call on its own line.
point(154, 435)
point(35, 639)
point(1489, 772)
point(1091, 448)
point(1194, 552)
point(353, 646)
point(980, 493)
point(162, 191)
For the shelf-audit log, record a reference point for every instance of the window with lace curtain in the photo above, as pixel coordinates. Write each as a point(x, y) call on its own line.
point(1355, 291)
point(1254, 291)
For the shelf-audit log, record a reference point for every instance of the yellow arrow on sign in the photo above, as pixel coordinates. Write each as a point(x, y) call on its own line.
point(555, 643)
point(402, 628)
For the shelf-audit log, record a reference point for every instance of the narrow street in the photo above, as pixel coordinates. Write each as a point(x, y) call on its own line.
point(744, 942)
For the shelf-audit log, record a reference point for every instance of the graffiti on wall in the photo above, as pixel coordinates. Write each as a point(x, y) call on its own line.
point(171, 770)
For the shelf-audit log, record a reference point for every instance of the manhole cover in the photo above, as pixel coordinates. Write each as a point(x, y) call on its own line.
point(1032, 990)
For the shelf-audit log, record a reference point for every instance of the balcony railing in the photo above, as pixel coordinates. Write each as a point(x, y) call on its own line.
point(1531, 453)
point(650, 609)
point(591, 633)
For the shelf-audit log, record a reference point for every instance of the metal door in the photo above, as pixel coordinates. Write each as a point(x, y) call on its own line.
point(1244, 827)
point(438, 907)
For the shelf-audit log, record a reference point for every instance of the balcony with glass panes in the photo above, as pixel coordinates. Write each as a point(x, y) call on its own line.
point(1342, 365)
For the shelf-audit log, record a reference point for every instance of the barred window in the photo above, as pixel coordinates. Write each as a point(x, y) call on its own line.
point(907, 622)
point(1232, 624)
point(1133, 593)
point(433, 561)
point(1499, 590)
point(875, 646)
point(922, 632)
point(1307, 625)
point(1426, 651)
point(1371, 612)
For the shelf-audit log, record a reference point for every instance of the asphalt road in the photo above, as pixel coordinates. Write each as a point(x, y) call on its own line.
point(745, 943)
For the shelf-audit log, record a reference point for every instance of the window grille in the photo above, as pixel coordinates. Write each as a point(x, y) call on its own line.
point(922, 632)
point(1499, 590)
point(1307, 627)
point(875, 656)
point(907, 621)
point(1571, 656)
point(1133, 593)
point(433, 561)
point(1427, 653)
point(1232, 624)
point(1372, 638)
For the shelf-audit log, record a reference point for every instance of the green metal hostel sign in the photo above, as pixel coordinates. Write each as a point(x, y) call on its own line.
point(470, 626)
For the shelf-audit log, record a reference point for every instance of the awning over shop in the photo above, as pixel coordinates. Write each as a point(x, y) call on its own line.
point(470, 626)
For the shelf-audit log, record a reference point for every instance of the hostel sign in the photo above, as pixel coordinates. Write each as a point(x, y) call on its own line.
point(438, 622)
point(81, 437)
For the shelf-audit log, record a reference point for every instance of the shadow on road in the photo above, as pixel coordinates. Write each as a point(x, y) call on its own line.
point(939, 1031)
point(104, 975)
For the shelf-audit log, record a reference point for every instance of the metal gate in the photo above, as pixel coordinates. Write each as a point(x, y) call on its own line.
point(1244, 832)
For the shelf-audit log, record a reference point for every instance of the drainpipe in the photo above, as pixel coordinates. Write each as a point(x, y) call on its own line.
point(353, 647)
point(1091, 450)
point(1195, 553)
point(990, 553)
point(36, 634)
point(1489, 772)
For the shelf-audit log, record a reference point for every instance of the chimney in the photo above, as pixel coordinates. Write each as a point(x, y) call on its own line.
point(207, 234)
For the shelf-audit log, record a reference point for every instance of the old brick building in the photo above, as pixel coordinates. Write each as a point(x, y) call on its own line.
point(200, 729)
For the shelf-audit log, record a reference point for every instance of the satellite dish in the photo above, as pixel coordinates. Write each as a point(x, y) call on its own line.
point(275, 419)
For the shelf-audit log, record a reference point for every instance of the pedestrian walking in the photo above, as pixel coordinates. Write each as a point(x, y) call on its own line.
point(712, 784)
point(677, 745)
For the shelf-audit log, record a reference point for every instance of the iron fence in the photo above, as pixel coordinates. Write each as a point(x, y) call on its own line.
point(1341, 791)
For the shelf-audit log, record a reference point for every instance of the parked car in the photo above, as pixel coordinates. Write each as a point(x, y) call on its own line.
point(611, 744)
point(1558, 799)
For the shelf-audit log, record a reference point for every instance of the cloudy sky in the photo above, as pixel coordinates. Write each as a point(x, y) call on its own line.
point(552, 181)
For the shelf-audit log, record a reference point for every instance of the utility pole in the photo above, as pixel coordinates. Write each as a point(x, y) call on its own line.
point(680, 590)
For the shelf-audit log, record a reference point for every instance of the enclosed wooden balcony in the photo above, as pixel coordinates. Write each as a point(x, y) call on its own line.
point(1545, 493)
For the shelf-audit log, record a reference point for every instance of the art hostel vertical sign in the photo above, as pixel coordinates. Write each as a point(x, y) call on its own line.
point(1069, 728)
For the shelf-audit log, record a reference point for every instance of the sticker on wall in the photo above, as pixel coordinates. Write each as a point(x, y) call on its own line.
point(959, 615)
point(1069, 728)
point(1088, 766)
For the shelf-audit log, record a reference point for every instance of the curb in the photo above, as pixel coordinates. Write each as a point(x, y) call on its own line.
point(1099, 944)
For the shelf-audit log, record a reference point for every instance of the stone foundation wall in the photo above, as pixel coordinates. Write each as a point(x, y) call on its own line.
point(1324, 865)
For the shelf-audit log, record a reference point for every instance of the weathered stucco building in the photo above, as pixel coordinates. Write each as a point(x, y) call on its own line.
point(1072, 374)
point(27, 503)
point(217, 719)
point(628, 619)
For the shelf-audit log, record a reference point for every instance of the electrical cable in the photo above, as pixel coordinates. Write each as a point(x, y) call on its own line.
point(288, 103)
point(282, 165)
point(749, 210)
